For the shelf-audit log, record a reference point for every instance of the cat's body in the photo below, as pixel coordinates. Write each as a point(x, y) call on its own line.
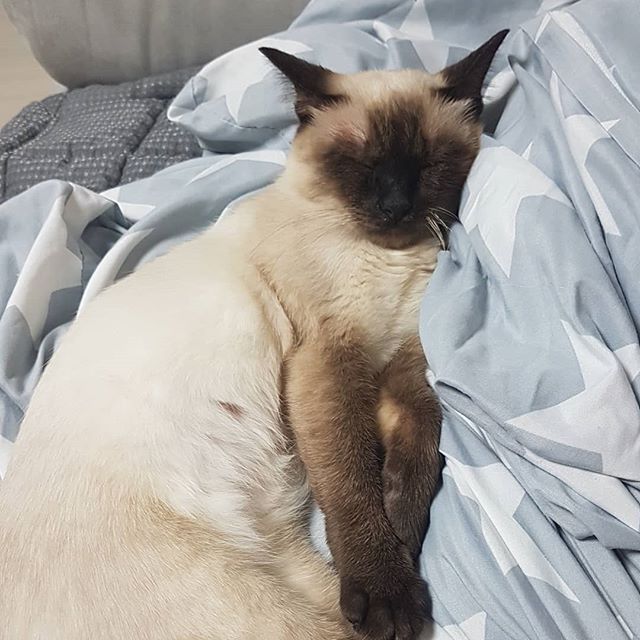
point(155, 492)
point(207, 424)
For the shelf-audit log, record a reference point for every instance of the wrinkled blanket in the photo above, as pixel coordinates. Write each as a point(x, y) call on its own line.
point(530, 322)
point(100, 136)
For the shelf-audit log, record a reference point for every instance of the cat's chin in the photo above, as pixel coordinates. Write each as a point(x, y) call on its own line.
point(397, 239)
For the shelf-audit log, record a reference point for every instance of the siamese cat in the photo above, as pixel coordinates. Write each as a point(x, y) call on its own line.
point(160, 484)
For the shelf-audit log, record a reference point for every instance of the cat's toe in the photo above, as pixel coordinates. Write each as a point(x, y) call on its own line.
point(392, 605)
point(354, 602)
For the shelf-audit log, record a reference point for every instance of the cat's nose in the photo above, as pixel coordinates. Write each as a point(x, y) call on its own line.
point(394, 206)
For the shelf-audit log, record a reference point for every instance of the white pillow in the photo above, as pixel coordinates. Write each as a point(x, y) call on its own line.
point(80, 42)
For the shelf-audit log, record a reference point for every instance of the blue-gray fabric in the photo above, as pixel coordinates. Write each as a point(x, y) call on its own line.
point(530, 321)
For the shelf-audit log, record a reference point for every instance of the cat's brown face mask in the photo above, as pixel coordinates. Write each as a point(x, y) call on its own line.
point(394, 147)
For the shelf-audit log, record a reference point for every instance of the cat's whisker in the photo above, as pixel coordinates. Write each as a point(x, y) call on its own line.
point(437, 232)
point(445, 212)
point(440, 222)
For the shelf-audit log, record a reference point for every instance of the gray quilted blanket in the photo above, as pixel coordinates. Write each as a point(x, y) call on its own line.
point(530, 322)
point(98, 137)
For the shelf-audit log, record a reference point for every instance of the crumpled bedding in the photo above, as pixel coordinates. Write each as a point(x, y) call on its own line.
point(530, 321)
point(99, 137)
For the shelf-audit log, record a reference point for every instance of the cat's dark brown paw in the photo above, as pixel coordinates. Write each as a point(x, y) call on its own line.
point(405, 502)
point(391, 605)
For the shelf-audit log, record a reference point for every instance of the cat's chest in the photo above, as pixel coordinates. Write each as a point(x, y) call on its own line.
point(380, 296)
point(376, 298)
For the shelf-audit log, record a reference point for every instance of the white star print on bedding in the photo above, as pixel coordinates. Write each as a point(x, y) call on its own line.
point(530, 322)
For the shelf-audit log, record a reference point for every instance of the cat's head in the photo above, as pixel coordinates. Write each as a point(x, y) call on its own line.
point(393, 148)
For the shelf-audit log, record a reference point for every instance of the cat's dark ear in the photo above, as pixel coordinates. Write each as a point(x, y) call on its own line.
point(311, 82)
point(463, 80)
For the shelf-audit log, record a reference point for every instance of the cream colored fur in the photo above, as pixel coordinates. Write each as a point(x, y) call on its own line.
point(138, 505)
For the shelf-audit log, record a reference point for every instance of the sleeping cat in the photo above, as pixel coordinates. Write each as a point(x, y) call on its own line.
point(160, 483)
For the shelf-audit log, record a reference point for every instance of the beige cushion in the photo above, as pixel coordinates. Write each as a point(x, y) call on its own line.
point(80, 42)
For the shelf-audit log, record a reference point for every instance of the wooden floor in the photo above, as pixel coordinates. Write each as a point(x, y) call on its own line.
point(22, 79)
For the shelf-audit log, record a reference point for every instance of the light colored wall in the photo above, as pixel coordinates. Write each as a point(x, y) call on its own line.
point(22, 79)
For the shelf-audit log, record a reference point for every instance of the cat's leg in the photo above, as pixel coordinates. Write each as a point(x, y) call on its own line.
point(283, 522)
point(307, 574)
point(331, 393)
point(409, 419)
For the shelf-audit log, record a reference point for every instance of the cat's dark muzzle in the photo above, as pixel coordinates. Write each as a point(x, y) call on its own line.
point(398, 231)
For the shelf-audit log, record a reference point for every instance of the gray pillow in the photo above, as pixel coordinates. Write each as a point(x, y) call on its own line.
point(81, 42)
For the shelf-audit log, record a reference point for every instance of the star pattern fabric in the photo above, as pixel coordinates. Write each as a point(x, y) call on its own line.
point(530, 322)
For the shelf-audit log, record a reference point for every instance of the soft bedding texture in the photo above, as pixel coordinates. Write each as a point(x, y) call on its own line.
point(100, 136)
point(530, 322)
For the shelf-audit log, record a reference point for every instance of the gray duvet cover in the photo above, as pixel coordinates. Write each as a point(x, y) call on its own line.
point(530, 322)
point(99, 137)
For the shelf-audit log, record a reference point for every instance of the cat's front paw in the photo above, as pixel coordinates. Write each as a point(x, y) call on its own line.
point(389, 603)
point(405, 502)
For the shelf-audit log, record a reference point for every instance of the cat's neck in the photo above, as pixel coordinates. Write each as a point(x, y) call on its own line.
point(318, 238)
point(320, 265)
